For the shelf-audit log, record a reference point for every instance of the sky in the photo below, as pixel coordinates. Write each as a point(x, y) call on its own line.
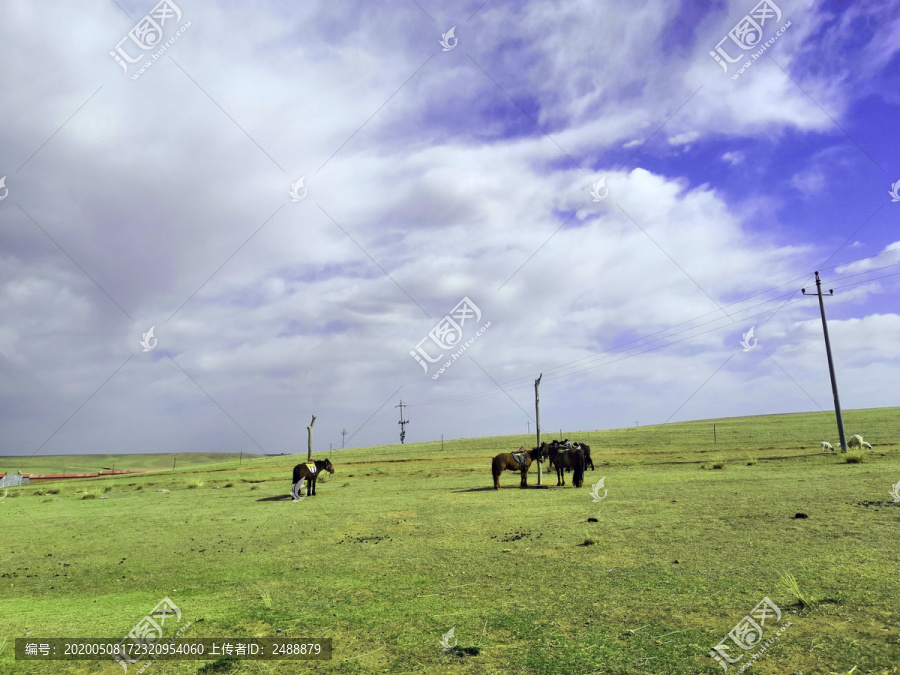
point(218, 219)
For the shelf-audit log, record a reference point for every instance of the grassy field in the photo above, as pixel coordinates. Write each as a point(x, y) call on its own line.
point(404, 543)
point(93, 463)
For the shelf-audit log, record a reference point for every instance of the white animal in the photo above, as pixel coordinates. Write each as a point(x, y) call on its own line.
point(858, 442)
point(826, 446)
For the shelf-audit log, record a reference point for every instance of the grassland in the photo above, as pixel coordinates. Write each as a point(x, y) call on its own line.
point(403, 543)
point(92, 463)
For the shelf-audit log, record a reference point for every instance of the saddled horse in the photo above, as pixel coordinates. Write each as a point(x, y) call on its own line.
point(302, 472)
point(566, 459)
point(515, 461)
point(584, 447)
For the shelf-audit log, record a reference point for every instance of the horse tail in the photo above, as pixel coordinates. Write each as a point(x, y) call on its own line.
point(578, 476)
point(587, 456)
point(297, 470)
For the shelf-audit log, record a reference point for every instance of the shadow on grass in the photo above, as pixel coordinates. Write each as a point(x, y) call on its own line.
point(276, 498)
point(507, 487)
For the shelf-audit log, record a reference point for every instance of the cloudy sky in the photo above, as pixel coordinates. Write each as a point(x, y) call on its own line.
point(616, 193)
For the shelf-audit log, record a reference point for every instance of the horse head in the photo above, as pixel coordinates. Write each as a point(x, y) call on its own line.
point(328, 467)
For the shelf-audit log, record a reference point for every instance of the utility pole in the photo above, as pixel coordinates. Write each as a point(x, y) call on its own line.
point(834, 387)
point(343, 437)
point(402, 421)
point(537, 417)
point(309, 439)
point(528, 422)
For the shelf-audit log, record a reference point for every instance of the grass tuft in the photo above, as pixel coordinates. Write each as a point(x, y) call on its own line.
point(790, 583)
point(265, 596)
point(194, 484)
point(853, 457)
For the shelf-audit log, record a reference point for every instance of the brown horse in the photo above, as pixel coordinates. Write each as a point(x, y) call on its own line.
point(303, 472)
point(507, 461)
point(566, 459)
point(584, 447)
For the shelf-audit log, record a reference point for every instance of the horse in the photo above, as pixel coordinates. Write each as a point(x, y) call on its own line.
point(302, 472)
point(507, 461)
point(584, 447)
point(564, 460)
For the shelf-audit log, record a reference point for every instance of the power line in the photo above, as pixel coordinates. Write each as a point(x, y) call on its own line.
point(559, 370)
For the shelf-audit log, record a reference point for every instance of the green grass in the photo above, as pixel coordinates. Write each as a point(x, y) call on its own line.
point(91, 463)
point(405, 543)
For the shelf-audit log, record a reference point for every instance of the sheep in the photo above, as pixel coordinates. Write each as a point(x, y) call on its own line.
point(827, 447)
point(858, 442)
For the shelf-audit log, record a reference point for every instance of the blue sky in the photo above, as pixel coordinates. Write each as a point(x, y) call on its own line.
point(161, 198)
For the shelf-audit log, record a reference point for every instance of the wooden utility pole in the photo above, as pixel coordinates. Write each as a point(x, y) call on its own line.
point(309, 439)
point(834, 387)
point(343, 437)
point(402, 421)
point(537, 417)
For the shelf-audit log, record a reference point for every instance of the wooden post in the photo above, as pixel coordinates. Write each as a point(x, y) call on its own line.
point(174, 459)
point(714, 435)
point(537, 415)
point(309, 439)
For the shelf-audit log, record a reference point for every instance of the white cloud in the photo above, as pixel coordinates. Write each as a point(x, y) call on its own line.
point(810, 181)
point(161, 198)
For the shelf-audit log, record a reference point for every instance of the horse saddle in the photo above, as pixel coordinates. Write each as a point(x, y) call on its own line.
point(312, 467)
point(521, 458)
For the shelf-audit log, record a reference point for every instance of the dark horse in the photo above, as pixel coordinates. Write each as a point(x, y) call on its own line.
point(564, 459)
point(507, 461)
point(303, 472)
point(584, 447)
